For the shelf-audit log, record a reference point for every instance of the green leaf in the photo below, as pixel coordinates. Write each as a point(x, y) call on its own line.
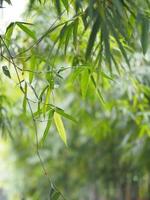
point(6, 71)
point(145, 34)
point(69, 31)
point(46, 103)
point(58, 6)
point(26, 29)
point(97, 90)
point(40, 111)
point(75, 32)
point(54, 194)
point(50, 116)
point(9, 32)
point(62, 36)
point(63, 33)
point(106, 76)
point(106, 43)
point(84, 82)
point(32, 66)
point(60, 127)
point(120, 45)
point(41, 95)
point(92, 38)
point(61, 112)
point(25, 98)
point(66, 4)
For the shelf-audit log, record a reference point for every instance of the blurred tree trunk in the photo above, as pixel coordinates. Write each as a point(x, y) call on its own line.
point(95, 193)
point(123, 190)
point(134, 190)
point(148, 193)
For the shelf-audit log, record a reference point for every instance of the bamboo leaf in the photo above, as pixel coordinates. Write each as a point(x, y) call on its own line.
point(49, 122)
point(92, 38)
point(66, 4)
point(54, 194)
point(107, 43)
point(61, 112)
point(97, 90)
point(58, 6)
point(84, 82)
point(26, 29)
point(75, 32)
point(116, 36)
point(41, 96)
point(62, 36)
point(46, 101)
point(33, 64)
point(9, 32)
point(60, 127)
point(6, 71)
point(69, 31)
point(25, 99)
point(145, 34)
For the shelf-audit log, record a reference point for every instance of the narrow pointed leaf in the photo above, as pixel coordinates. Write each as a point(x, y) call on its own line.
point(26, 30)
point(58, 6)
point(8, 33)
point(68, 35)
point(25, 99)
point(66, 4)
point(61, 112)
point(145, 34)
point(92, 38)
point(54, 194)
point(6, 71)
point(84, 82)
point(60, 127)
point(49, 122)
point(75, 32)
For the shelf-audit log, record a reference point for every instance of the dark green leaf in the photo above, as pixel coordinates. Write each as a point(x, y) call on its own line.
point(58, 6)
point(69, 31)
point(145, 34)
point(54, 194)
point(92, 38)
point(121, 47)
point(75, 32)
point(6, 71)
point(66, 4)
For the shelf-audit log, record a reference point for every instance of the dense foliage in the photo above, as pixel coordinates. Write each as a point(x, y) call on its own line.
point(79, 69)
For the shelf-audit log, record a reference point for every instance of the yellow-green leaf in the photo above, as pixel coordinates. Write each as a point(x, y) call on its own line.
point(60, 127)
point(84, 82)
point(25, 99)
point(9, 32)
